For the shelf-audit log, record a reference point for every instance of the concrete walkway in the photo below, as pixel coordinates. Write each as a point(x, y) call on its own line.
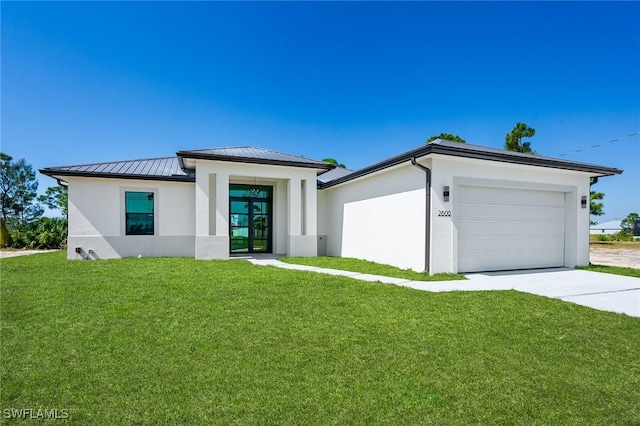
point(605, 292)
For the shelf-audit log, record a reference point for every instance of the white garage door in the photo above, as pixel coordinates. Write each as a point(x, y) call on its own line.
point(501, 229)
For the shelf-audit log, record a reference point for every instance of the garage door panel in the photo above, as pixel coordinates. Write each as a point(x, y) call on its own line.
point(504, 228)
point(481, 212)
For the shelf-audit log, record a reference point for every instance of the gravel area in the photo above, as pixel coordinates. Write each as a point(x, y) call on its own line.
point(15, 253)
point(628, 257)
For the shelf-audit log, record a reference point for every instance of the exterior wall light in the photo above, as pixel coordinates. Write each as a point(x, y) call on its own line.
point(583, 202)
point(445, 194)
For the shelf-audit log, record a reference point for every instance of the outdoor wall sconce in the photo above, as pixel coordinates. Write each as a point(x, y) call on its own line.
point(583, 202)
point(445, 194)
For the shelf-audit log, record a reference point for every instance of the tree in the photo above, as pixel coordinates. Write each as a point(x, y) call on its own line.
point(596, 209)
point(626, 226)
point(513, 140)
point(446, 136)
point(56, 198)
point(18, 192)
point(5, 236)
point(334, 162)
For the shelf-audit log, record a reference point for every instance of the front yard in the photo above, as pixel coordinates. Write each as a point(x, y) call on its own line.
point(168, 341)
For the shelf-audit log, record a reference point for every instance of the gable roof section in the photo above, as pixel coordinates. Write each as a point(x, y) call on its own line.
point(457, 149)
point(252, 154)
point(336, 173)
point(167, 168)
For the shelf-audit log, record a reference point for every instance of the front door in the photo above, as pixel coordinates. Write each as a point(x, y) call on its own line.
point(250, 221)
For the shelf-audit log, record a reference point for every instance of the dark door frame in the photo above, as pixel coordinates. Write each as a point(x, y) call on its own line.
point(250, 226)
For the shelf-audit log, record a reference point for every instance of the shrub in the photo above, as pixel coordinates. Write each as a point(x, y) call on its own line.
point(46, 232)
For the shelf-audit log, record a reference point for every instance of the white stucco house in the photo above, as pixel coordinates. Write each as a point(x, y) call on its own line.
point(441, 207)
point(611, 227)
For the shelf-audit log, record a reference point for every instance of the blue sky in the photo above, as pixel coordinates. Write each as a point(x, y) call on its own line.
point(90, 81)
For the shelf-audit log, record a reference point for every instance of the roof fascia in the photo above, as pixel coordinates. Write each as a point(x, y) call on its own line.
point(55, 173)
point(183, 154)
point(478, 155)
point(528, 161)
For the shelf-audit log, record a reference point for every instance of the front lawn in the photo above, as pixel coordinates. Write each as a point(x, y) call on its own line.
point(182, 341)
point(366, 267)
point(617, 270)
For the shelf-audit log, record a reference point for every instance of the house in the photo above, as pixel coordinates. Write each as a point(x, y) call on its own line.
point(442, 207)
point(611, 227)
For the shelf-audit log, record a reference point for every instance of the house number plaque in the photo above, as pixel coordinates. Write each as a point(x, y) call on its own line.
point(444, 213)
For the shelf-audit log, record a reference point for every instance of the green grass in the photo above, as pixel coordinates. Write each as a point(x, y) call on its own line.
point(631, 245)
point(181, 341)
point(617, 270)
point(366, 267)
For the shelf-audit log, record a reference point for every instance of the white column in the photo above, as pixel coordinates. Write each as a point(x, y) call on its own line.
point(294, 203)
point(298, 243)
point(212, 213)
point(311, 208)
point(202, 202)
point(222, 204)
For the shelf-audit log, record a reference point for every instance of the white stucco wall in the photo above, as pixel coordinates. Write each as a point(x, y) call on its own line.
point(455, 171)
point(379, 217)
point(97, 219)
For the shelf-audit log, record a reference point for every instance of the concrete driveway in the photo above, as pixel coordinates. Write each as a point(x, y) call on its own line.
point(606, 292)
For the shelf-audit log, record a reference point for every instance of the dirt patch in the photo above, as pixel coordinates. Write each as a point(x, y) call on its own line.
point(14, 253)
point(627, 256)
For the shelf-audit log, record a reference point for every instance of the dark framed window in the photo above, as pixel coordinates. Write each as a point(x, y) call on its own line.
point(139, 218)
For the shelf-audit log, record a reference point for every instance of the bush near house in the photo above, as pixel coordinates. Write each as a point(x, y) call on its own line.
point(44, 233)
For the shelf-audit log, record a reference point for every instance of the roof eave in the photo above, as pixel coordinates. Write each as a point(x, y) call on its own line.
point(461, 152)
point(213, 157)
point(393, 161)
point(56, 173)
point(528, 161)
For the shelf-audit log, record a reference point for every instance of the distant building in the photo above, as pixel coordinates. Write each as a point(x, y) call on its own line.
point(611, 227)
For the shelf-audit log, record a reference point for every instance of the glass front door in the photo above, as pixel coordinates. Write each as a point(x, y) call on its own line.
point(250, 218)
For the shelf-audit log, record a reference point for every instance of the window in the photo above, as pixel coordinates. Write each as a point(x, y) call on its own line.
point(139, 213)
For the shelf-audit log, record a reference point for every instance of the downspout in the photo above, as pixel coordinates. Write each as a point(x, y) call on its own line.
point(427, 239)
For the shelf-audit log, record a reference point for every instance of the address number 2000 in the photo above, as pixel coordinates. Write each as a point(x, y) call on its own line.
point(444, 213)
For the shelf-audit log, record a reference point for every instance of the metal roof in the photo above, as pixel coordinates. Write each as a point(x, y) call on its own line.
point(167, 168)
point(172, 168)
point(612, 224)
point(336, 173)
point(458, 149)
point(252, 154)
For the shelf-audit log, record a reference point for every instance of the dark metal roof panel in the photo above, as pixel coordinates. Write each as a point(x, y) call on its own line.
point(457, 149)
point(136, 168)
point(252, 154)
point(336, 173)
point(147, 166)
point(166, 168)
